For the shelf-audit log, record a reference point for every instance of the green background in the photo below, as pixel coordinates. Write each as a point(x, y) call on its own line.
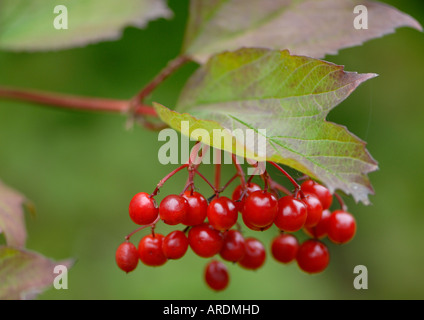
point(81, 170)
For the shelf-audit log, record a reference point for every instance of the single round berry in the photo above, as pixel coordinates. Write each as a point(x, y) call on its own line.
point(150, 250)
point(234, 246)
point(205, 241)
point(238, 193)
point(222, 213)
point(216, 275)
point(323, 194)
point(313, 208)
point(255, 254)
point(143, 209)
point(321, 229)
point(175, 245)
point(260, 208)
point(313, 256)
point(127, 257)
point(173, 209)
point(284, 248)
point(291, 215)
point(341, 227)
point(197, 211)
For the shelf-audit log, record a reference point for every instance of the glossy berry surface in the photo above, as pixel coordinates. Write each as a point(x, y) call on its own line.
point(321, 229)
point(222, 213)
point(216, 275)
point(150, 250)
point(175, 245)
point(197, 208)
point(173, 209)
point(255, 254)
point(284, 248)
point(260, 209)
point(143, 209)
point(205, 241)
point(234, 246)
point(291, 215)
point(252, 227)
point(313, 256)
point(341, 227)
point(238, 192)
point(313, 209)
point(323, 194)
point(126, 257)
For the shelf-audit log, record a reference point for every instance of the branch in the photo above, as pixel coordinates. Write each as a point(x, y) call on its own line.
point(172, 66)
point(73, 102)
point(134, 106)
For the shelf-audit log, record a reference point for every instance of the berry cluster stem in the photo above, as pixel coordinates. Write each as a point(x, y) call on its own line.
point(342, 204)
point(295, 184)
point(240, 171)
point(167, 177)
point(152, 225)
point(207, 181)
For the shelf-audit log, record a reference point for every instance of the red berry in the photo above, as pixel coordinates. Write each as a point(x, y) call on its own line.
point(126, 257)
point(150, 250)
point(234, 246)
point(313, 208)
point(321, 229)
point(313, 256)
point(173, 209)
point(284, 248)
point(291, 215)
point(238, 192)
point(260, 208)
point(216, 275)
point(143, 209)
point(197, 210)
point(175, 245)
point(341, 227)
point(255, 254)
point(323, 194)
point(222, 213)
point(205, 241)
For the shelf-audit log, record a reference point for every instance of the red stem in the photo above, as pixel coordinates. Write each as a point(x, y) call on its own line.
point(217, 175)
point(295, 184)
point(73, 102)
point(127, 238)
point(276, 186)
point(172, 66)
point(265, 178)
point(228, 183)
point(343, 206)
point(134, 105)
point(169, 175)
point(240, 171)
point(207, 181)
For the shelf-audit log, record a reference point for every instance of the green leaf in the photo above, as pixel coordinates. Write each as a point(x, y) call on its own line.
point(23, 274)
point(28, 24)
point(12, 221)
point(306, 27)
point(290, 97)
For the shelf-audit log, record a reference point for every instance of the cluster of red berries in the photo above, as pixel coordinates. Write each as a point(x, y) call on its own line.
point(306, 209)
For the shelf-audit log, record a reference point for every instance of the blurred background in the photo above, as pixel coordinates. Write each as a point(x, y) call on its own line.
point(82, 169)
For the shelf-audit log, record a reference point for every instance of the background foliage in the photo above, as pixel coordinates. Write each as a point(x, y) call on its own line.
point(81, 169)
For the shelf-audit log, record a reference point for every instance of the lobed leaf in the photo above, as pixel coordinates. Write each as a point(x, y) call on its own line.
point(305, 27)
point(28, 24)
point(24, 274)
point(12, 221)
point(290, 97)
